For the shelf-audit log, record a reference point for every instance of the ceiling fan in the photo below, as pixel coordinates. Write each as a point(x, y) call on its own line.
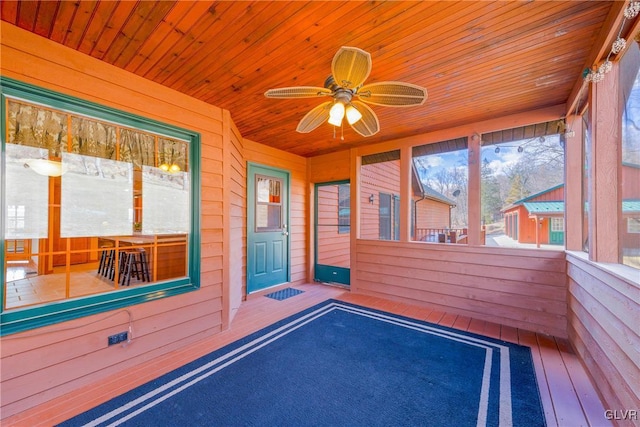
point(349, 69)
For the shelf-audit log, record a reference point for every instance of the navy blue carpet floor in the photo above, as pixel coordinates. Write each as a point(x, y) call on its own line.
point(338, 364)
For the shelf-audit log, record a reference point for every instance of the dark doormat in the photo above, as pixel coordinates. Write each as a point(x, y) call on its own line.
point(284, 293)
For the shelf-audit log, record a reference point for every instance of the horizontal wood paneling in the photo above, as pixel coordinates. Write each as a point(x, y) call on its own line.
point(235, 229)
point(432, 214)
point(567, 394)
point(70, 355)
point(604, 328)
point(520, 288)
point(376, 178)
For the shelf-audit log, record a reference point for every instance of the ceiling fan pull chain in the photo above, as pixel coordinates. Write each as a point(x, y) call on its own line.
point(342, 131)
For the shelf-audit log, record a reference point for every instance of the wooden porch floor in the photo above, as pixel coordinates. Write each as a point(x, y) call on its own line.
point(568, 396)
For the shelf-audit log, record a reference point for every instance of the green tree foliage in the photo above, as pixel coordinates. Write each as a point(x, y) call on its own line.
point(490, 193)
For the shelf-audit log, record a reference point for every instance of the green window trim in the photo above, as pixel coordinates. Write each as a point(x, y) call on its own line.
point(27, 318)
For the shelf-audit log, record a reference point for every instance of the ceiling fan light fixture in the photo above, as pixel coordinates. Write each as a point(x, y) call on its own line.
point(349, 69)
point(353, 115)
point(336, 114)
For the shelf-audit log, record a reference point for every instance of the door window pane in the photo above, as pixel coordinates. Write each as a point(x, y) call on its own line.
point(268, 204)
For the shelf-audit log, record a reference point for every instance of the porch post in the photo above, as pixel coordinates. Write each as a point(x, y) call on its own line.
point(355, 163)
point(573, 152)
point(604, 169)
point(474, 214)
point(406, 154)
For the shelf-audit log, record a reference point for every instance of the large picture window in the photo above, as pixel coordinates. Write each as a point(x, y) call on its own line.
point(101, 203)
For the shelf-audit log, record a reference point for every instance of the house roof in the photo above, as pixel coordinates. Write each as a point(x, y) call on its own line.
point(630, 206)
point(536, 195)
point(550, 208)
point(537, 208)
point(508, 57)
point(421, 190)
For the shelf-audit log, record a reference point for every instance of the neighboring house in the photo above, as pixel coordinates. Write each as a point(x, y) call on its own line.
point(380, 190)
point(431, 214)
point(538, 218)
point(546, 209)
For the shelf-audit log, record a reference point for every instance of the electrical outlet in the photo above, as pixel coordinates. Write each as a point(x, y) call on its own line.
point(118, 338)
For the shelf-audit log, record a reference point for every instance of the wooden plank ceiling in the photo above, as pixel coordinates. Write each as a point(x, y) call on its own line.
point(477, 59)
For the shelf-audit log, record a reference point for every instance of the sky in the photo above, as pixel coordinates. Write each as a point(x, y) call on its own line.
point(508, 155)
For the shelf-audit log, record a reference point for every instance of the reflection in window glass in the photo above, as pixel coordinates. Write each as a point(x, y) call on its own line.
point(522, 192)
point(440, 183)
point(630, 230)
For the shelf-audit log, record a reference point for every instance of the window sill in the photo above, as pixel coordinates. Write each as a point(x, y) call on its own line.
point(621, 271)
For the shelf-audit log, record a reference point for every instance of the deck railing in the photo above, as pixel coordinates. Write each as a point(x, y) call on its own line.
point(440, 235)
point(443, 235)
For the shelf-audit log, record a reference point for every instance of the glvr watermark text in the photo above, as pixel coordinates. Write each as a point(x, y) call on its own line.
point(621, 414)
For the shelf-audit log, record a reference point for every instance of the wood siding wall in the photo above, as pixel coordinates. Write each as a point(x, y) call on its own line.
point(329, 167)
point(520, 288)
point(298, 201)
point(60, 358)
point(377, 178)
point(604, 319)
point(235, 189)
point(432, 214)
point(527, 227)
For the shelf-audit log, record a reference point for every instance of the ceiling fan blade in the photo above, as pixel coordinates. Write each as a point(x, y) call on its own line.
point(315, 117)
point(350, 67)
point(297, 92)
point(392, 94)
point(368, 125)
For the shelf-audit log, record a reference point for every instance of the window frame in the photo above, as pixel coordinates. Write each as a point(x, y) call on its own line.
point(385, 223)
point(24, 319)
point(344, 211)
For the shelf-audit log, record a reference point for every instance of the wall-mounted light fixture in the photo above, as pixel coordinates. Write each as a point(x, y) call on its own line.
point(371, 199)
